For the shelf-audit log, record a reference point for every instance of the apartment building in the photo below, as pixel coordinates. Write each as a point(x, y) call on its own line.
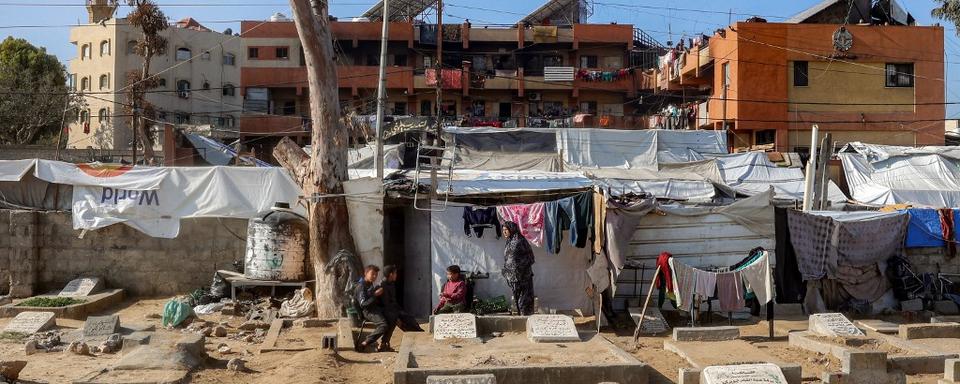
point(863, 72)
point(540, 71)
point(199, 77)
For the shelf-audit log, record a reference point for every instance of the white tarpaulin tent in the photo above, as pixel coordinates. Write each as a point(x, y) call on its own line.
point(14, 170)
point(560, 281)
point(154, 199)
point(608, 148)
point(881, 174)
point(752, 173)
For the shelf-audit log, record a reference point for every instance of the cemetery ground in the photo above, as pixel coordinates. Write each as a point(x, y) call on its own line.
point(316, 365)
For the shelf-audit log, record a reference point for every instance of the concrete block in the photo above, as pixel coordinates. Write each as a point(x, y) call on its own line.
point(946, 307)
point(345, 340)
point(911, 305)
point(462, 379)
point(706, 333)
point(951, 370)
point(689, 376)
point(855, 361)
point(945, 319)
point(928, 331)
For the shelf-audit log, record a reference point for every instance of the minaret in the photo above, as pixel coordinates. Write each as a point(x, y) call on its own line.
point(100, 10)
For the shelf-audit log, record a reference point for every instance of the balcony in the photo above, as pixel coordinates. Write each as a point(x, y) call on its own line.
point(371, 31)
point(291, 125)
point(349, 76)
point(602, 33)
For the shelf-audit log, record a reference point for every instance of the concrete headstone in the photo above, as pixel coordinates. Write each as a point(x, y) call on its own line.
point(454, 326)
point(551, 328)
point(743, 374)
point(31, 322)
point(463, 379)
point(653, 320)
point(84, 286)
point(833, 324)
point(98, 326)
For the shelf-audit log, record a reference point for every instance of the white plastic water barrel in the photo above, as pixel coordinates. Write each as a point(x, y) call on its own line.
point(277, 246)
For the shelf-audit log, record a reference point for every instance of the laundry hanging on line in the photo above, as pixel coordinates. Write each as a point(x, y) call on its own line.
point(479, 219)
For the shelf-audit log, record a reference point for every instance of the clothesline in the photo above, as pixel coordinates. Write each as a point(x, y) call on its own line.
point(691, 284)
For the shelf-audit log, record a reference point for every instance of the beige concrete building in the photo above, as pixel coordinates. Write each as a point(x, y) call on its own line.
point(198, 75)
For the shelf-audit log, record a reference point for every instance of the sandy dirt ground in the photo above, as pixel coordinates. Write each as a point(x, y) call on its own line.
point(319, 366)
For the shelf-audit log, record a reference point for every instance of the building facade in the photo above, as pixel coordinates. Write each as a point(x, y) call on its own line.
point(526, 74)
point(768, 83)
point(199, 78)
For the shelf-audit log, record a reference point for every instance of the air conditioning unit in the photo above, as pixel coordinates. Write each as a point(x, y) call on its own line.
point(535, 96)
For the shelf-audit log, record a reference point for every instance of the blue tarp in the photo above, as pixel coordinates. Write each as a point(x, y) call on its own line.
point(924, 229)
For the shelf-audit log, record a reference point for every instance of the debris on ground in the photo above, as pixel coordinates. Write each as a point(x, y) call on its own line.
point(10, 369)
point(237, 364)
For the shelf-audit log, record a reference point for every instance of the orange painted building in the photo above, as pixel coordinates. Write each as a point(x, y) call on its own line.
point(508, 75)
point(880, 84)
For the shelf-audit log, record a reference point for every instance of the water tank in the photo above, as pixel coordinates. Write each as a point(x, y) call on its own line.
point(277, 246)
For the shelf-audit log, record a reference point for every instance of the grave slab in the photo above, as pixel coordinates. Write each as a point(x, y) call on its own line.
point(879, 326)
point(31, 322)
point(951, 370)
point(100, 326)
point(911, 358)
point(454, 326)
point(706, 333)
point(84, 286)
point(743, 374)
point(833, 324)
point(551, 329)
point(928, 331)
point(701, 355)
point(92, 304)
point(463, 379)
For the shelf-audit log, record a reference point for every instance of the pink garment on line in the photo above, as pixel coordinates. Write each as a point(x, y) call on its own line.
point(529, 217)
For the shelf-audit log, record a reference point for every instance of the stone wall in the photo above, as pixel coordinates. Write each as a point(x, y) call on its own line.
point(933, 260)
point(41, 251)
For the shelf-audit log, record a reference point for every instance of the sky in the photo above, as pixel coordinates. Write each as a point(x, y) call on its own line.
point(45, 22)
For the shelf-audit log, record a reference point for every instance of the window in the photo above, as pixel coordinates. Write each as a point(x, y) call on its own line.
point(289, 108)
point(426, 108)
point(162, 82)
point(552, 61)
point(85, 84)
point(104, 82)
point(131, 47)
point(400, 60)
point(801, 77)
point(183, 54)
point(72, 82)
point(283, 53)
point(768, 136)
point(103, 116)
point(206, 85)
point(183, 89)
point(427, 62)
point(229, 59)
point(181, 118)
point(85, 52)
point(226, 122)
point(725, 70)
point(588, 107)
point(229, 90)
point(303, 58)
point(104, 48)
point(399, 109)
point(253, 53)
point(900, 75)
point(162, 116)
point(588, 61)
point(205, 56)
point(84, 116)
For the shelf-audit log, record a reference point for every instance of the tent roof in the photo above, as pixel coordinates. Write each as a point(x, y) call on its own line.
point(400, 10)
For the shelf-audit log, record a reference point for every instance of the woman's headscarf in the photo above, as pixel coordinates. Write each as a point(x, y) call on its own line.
point(518, 255)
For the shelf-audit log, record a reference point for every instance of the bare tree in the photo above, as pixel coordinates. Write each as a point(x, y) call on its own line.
point(150, 20)
point(325, 171)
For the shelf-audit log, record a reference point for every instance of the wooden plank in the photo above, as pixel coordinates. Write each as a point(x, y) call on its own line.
point(273, 334)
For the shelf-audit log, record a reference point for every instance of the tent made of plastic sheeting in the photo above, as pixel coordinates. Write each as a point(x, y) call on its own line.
point(217, 153)
point(503, 149)
point(14, 170)
point(473, 182)
point(605, 148)
point(752, 173)
point(559, 281)
point(364, 157)
point(186, 192)
point(884, 175)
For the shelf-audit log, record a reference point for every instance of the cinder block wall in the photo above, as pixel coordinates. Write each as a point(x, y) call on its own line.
point(933, 260)
point(124, 257)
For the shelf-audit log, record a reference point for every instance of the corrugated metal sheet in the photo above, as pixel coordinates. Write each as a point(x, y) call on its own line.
point(558, 73)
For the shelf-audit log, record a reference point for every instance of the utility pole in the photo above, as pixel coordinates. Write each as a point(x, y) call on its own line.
point(134, 122)
point(438, 74)
point(382, 88)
